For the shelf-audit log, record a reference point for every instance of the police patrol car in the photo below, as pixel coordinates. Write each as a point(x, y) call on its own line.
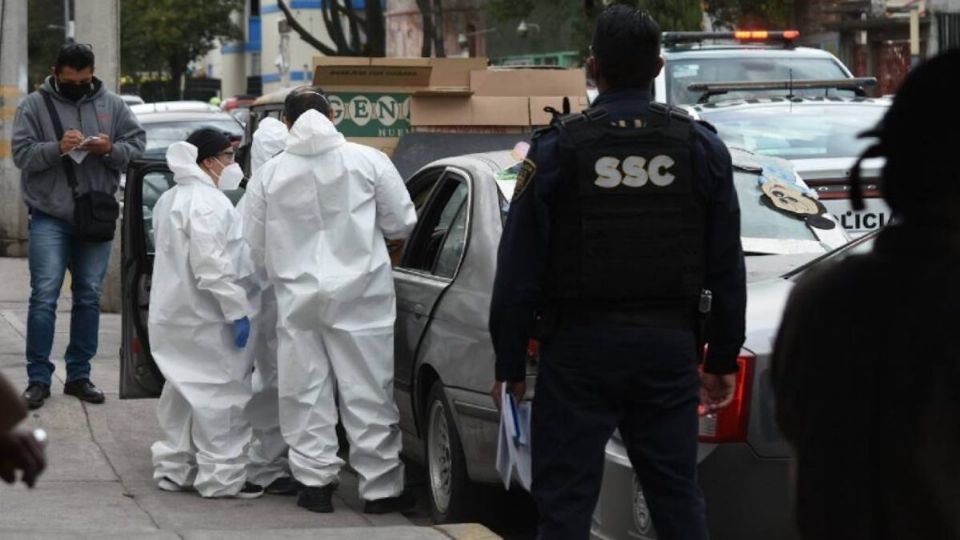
point(746, 55)
point(815, 125)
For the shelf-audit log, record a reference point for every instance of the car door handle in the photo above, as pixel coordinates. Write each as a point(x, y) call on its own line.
point(419, 310)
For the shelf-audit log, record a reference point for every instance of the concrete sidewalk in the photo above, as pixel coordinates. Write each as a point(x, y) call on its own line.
point(99, 481)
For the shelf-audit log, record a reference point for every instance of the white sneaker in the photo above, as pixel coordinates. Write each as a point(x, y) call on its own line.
point(250, 491)
point(169, 485)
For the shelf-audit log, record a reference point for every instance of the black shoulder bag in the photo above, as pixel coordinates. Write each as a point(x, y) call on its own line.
point(94, 213)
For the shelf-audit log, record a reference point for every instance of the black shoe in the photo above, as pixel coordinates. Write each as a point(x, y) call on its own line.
point(35, 394)
point(317, 499)
point(401, 503)
point(284, 486)
point(83, 390)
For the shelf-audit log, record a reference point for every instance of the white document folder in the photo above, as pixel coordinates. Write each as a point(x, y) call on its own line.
point(513, 441)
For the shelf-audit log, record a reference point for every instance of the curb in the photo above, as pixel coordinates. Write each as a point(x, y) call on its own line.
point(467, 531)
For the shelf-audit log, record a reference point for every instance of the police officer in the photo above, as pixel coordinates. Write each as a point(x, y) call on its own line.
point(621, 219)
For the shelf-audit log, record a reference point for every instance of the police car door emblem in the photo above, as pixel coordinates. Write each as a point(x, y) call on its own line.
point(636, 171)
point(527, 170)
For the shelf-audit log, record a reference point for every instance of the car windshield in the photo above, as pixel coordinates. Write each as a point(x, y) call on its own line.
point(160, 135)
point(684, 72)
point(798, 132)
point(765, 231)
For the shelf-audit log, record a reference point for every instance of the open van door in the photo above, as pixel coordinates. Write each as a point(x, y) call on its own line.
point(146, 181)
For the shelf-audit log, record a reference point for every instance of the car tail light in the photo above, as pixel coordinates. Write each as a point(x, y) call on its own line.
point(135, 346)
point(730, 423)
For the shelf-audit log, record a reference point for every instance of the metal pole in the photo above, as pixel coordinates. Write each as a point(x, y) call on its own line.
point(67, 23)
point(97, 23)
point(914, 35)
point(13, 87)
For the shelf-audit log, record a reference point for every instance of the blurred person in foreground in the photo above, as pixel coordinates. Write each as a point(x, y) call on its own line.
point(867, 363)
point(19, 449)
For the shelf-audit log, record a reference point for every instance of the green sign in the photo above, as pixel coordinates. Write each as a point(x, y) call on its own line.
point(371, 114)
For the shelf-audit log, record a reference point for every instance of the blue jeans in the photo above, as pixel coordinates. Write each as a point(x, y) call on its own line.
point(54, 250)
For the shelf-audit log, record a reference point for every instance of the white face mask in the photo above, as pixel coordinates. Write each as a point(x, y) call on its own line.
point(230, 177)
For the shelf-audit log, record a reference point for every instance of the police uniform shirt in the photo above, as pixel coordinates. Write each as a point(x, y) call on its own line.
point(523, 252)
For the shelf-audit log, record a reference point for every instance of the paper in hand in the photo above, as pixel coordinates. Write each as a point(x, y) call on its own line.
point(78, 155)
point(513, 444)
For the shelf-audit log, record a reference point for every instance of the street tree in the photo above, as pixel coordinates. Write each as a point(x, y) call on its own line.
point(431, 12)
point(353, 31)
point(157, 34)
point(670, 14)
point(751, 13)
point(45, 35)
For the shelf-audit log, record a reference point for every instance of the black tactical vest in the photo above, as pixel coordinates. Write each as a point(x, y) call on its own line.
point(628, 234)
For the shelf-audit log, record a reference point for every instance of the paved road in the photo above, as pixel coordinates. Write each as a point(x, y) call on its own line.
point(99, 482)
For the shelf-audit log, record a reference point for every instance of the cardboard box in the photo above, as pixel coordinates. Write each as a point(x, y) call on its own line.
point(378, 100)
point(513, 98)
point(529, 82)
point(371, 97)
point(471, 111)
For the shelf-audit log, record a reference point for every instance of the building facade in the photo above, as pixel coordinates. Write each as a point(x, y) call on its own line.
point(268, 59)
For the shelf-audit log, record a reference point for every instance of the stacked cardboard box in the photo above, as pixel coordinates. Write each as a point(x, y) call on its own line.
point(377, 100)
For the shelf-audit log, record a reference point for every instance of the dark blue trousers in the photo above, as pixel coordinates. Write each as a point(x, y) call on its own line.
point(595, 377)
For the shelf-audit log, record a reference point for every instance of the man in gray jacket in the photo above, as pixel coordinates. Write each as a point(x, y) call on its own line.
point(85, 110)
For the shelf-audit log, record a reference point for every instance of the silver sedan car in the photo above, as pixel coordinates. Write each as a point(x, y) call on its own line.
point(445, 358)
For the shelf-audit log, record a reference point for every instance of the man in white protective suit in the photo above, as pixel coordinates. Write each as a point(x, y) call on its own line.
point(320, 212)
point(199, 324)
point(268, 452)
point(269, 139)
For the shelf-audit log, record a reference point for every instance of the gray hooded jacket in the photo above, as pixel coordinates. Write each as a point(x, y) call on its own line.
point(36, 149)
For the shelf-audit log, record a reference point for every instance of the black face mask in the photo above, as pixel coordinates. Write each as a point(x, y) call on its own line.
point(73, 91)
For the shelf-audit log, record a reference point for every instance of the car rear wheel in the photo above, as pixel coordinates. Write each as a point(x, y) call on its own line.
point(450, 488)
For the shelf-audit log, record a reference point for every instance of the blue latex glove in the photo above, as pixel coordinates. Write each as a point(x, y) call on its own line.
point(241, 332)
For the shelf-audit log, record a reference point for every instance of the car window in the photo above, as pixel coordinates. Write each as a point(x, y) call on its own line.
point(452, 249)
point(420, 187)
point(437, 219)
point(803, 132)
point(748, 67)
point(155, 184)
point(758, 220)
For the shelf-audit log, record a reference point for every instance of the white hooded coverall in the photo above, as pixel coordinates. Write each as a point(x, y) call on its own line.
point(268, 451)
point(197, 292)
point(320, 212)
point(269, 139)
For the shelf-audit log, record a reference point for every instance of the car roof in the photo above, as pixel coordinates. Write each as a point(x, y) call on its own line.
point(485, 161)
point(734, 50)
point(173, 106)
point(151, 118)
point(273, 98)
point(785, 102)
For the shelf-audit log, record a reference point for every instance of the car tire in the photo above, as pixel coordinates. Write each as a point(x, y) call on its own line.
point(450, 491)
